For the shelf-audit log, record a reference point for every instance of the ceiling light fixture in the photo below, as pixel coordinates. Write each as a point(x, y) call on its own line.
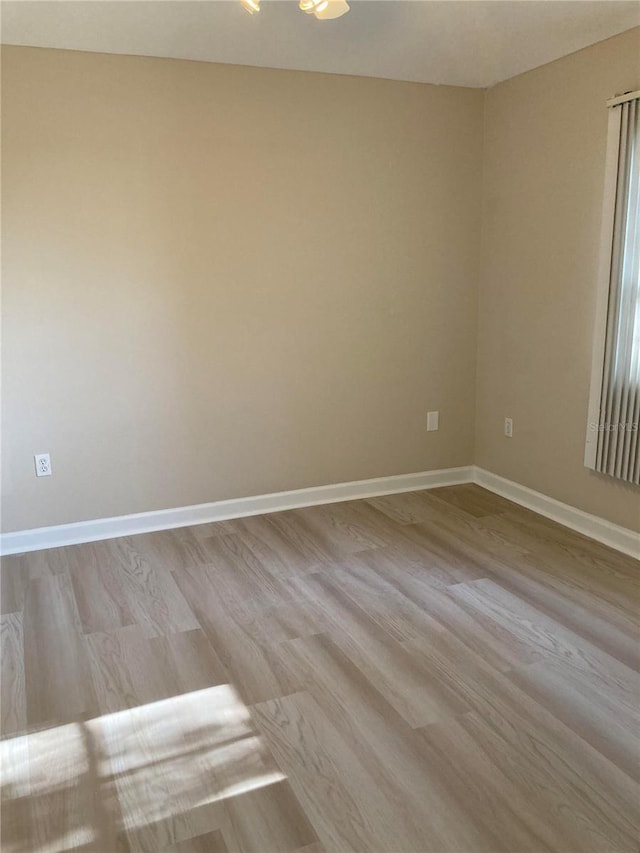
point(252, 6)
point(323, 10)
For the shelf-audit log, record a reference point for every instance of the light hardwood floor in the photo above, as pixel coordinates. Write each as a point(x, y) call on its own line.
point(434, 672)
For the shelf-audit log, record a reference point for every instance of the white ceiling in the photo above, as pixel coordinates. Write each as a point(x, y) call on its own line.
point(456, 42)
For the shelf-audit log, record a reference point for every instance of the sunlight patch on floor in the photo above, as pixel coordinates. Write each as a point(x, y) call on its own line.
point(143, 770)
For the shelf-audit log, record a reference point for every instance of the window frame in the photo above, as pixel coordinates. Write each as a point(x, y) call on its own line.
point(605, 260)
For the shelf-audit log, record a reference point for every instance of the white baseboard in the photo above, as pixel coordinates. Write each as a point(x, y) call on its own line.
point(164, 519)
point(620, 538)
point(597, 528)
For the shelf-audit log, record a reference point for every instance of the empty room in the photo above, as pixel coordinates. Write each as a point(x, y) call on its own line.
point(320, 507)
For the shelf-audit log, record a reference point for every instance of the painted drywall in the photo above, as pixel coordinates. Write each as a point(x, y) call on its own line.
point(544, 152)
point(222, 281)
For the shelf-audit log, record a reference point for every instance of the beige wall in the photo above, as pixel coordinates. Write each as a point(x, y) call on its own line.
point(222, 281)
point(545, 134)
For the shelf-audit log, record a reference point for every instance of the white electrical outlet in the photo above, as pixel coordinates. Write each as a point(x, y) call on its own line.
point(433, 420)
point(43, 464)
point(508, 427)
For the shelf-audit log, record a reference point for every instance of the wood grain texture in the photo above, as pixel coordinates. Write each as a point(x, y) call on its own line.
point(57, 679)
point(13, 703)
point(434, 672)
point(209, 842)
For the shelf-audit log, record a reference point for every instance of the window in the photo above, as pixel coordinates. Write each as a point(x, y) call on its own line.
point(613, 445)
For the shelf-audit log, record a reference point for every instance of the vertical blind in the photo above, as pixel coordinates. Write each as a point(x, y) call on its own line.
point(616, 450)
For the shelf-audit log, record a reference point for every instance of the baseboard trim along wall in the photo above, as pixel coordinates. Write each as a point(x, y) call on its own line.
point(165, 519)
point(597, 528)
point(620, 538)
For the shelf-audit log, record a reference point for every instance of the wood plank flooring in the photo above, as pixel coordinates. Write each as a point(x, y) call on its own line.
point(434, 672)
